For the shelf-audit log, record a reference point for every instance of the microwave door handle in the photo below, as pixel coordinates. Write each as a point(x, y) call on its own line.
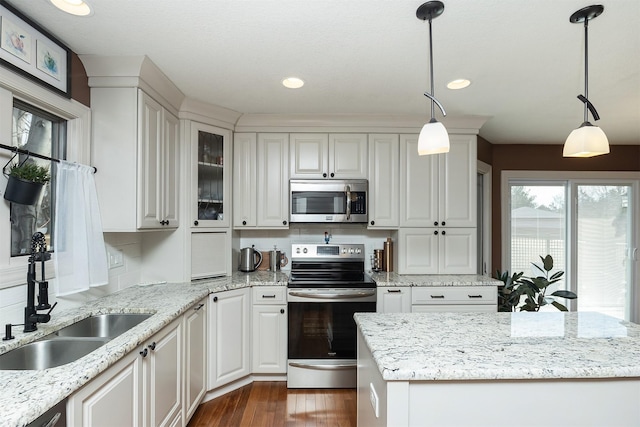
point(348, 189)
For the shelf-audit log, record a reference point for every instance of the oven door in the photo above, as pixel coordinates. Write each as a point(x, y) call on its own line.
point(322, 336)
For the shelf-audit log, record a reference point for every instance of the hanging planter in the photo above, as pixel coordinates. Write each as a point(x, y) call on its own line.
point(25, 181)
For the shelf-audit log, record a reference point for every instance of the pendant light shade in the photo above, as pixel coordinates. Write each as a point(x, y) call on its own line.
point(433, 137)
point(587, 140)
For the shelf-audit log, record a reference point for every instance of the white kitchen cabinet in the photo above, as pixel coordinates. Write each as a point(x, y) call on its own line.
point(136, 149)
point(195, 356)
point(384, 181)
point(394, 300)
point(438, 190)
point(210, 177)
point(210, 254)
point(261, 180)
point(454, 299)
point(229, 340)
point(337, 156)
point(437, 250)
point(269, 331)
point(145, 386)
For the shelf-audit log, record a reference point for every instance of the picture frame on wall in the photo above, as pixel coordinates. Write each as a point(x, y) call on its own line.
point(29, 50)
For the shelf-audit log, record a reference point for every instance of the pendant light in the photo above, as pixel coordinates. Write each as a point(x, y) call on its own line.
point(433, 137)
point(587, 140)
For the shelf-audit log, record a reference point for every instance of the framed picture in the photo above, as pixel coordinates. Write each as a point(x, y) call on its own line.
point(31, 51)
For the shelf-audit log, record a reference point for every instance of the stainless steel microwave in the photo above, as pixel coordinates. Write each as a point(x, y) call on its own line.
point(328, 200)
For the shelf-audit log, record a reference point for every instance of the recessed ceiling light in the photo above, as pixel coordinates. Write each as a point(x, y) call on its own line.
point(74, 7)
point(292, 83)
point(458, 84)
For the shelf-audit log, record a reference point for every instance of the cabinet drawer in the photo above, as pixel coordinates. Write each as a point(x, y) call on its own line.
point(454, 295)
point(269, 295)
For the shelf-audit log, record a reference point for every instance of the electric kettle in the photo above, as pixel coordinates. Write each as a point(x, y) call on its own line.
point(248, 259)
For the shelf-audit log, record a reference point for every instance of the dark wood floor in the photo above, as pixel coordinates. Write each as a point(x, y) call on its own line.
point(272, 404)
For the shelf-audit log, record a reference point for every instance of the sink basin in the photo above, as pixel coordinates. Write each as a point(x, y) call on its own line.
point(49, 353)
point(103, 325)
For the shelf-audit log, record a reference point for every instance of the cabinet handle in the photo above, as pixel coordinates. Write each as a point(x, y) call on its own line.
point(394, 291)
point(152, 346)
point(284, 222)
point(437, 296)
point(474, 296)
point(332, 174)
point(244, 222)
point(444, 232)
point(435, 223)
point(164, 222)
point(195, 222)
point(435, 233)
point(269, 296)
point(373, 223)
point(444, 223)
point(144, 353)
point(198, 307)
point(215, 299)
point(282, 311)
point(324, 175)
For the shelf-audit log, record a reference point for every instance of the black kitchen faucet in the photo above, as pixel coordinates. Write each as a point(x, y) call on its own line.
point(40, 254)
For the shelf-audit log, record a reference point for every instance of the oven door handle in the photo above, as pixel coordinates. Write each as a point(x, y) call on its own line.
point(324, 367)
point(334, 295)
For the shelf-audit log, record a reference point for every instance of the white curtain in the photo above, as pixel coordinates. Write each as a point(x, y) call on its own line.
point(80, 254)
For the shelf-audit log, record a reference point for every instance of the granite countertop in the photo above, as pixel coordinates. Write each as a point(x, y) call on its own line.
point(25, 395)
point(395, 279)
point(501, 346)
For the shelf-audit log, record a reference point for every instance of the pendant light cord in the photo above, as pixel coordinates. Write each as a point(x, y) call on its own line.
point(586, 68)
point(431, 69)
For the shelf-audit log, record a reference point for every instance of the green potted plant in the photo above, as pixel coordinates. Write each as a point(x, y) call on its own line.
point(25, 182)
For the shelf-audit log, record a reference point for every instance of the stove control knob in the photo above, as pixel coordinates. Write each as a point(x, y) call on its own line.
point(304, 250)
point(297, 250)
point(350, 250)
point(358, 250)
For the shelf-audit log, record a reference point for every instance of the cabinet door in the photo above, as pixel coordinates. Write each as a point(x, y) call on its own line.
point(163, 376)
point(348, 156)
point(228, 337)
point(171, 170)
point(417, 251)
point(457, 250)
point(273, 180)
point(384, 194)
point(418, 185)
point(195, 356)
point(458, 183)
point(244, 180)
point(120, 386)
point(210, 253)
point(210, 146)
point(269, 336)
point(393, 300)
point(150, 128)
point(309, 155)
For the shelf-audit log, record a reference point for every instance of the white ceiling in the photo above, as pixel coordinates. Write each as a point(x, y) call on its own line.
point(524, 58)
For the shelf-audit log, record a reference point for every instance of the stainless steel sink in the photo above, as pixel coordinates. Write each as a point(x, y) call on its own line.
point(49, 353)
point(103, 325)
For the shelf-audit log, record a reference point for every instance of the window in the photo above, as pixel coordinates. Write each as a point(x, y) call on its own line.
point(43, 133)
point(585, 222)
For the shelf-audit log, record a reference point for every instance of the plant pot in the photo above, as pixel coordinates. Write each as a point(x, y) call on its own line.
point(22, 192)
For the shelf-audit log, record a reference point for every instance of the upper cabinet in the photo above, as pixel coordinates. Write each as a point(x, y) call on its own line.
point(136, 151)
point(261, 180)
point(438, 190)
point(210, 146)
point(384, 182)
point(337, 156)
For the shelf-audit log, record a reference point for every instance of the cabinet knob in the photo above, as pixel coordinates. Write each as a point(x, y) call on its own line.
point(435, 233)
point(198, 307)
point(215, 299)
point(324, 175)
point(164, 222)
point(152, 346)
point(284, 222)
point(435, 223)
point(282, 311)
point(244, 222)
point(444, 232)
point(332, 174)
point(144, 353)
point(373, 223)
point(195, 222)
point(444, 223)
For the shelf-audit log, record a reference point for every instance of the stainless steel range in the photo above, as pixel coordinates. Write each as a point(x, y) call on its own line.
point(326, 287)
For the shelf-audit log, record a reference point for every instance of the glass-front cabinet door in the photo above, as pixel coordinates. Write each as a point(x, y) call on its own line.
point(210, 148)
